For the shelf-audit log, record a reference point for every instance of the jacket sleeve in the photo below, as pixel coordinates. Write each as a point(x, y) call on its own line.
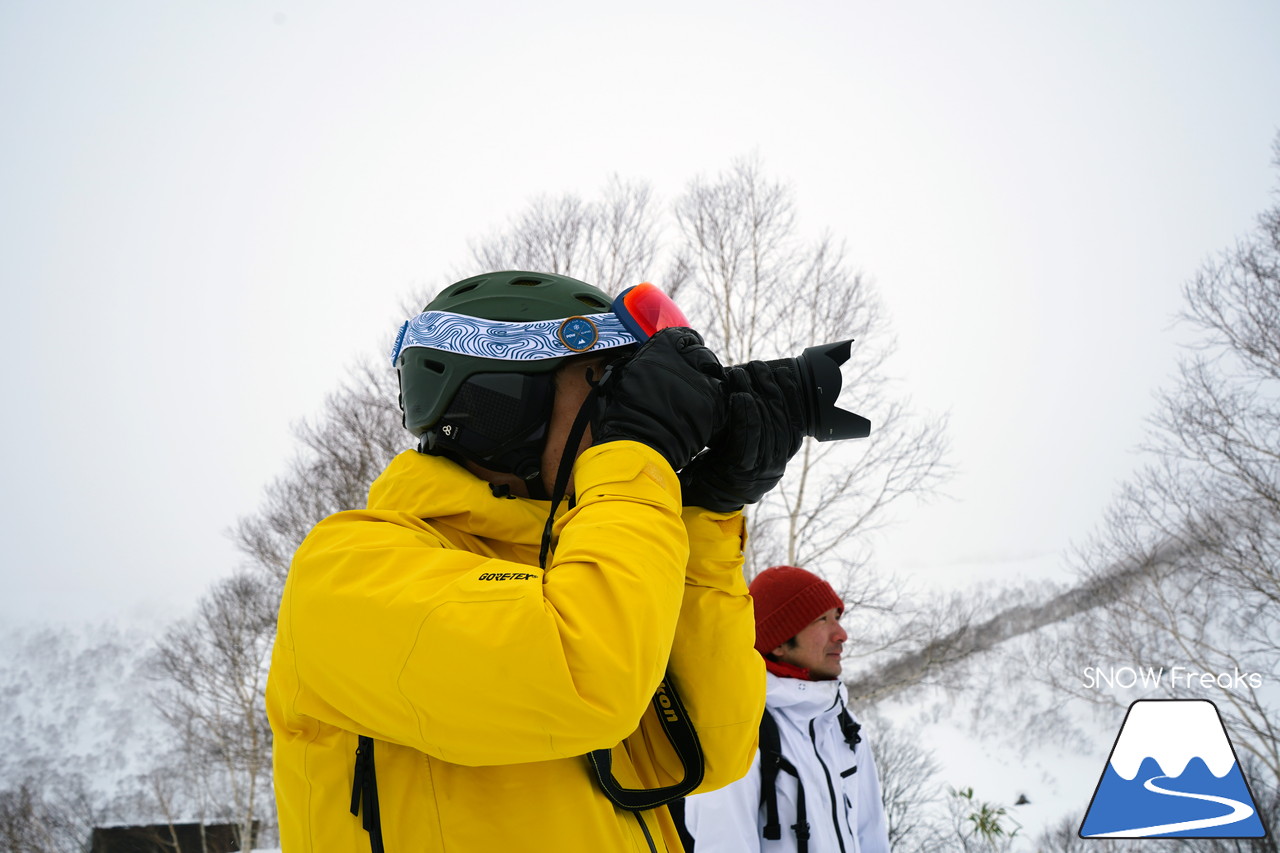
point(386, 630)
point(713, 659)
point(727, 820)
point(714, 665)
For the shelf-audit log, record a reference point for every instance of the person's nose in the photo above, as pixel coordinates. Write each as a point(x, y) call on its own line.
point(840, 634)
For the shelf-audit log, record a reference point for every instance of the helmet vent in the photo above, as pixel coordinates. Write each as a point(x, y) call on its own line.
point(466, 287)
point(527, 282)
point(587, 299)
point(433, 366)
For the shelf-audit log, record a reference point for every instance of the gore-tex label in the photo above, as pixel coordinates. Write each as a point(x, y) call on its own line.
point(506, 576)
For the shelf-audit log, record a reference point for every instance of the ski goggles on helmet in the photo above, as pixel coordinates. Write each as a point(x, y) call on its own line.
point(645, 310)
point(637, 313)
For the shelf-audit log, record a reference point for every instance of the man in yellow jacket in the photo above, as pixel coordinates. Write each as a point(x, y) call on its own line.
point(469, 663)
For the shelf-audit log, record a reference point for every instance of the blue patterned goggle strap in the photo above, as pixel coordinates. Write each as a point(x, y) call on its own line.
point(534, 341)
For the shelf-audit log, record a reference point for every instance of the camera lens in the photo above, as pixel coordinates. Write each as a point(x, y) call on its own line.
point(817, 372)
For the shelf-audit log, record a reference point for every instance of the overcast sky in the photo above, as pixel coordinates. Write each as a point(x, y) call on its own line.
point(210, 211)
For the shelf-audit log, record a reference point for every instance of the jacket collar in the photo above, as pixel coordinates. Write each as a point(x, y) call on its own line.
point(804, 699)
point(436, 488)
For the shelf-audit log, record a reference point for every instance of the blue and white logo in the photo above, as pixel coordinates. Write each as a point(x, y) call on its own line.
point(1172, 773)
point(578, 334)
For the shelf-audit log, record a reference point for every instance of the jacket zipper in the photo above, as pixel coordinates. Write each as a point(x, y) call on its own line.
point(831, 789)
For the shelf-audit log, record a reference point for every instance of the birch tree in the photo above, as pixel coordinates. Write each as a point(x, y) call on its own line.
point(760, 290)
point(1185, 567)
point(213, 677)
point(756, 289)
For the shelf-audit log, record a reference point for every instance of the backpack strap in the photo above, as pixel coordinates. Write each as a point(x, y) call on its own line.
point(771, 761)
point(849, 729)
point(364, 794)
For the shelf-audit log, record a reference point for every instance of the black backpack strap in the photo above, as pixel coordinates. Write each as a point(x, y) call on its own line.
point(364, 793)
point(849, 729)
point(676, 809)
point(684, 739)
point(771, 761)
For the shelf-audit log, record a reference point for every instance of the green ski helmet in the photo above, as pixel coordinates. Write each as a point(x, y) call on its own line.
point(477, 366)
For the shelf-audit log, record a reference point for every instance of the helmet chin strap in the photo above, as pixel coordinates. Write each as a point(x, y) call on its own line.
point(586, 415)
point(534, 485)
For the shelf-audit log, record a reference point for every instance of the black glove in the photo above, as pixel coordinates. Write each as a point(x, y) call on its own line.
point(763, 430)
point(669, 395)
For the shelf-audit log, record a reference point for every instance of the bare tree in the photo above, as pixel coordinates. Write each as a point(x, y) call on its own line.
point(1214, 490)
point(29, 824)
point(21, 824)
point(740, 232)
point(74, 699)
point(1179, 588)
point(72, 722)
point(50, 813)
point(213, 676)
point(342, 450)
point(759, 290)
point(756, 290)
point(612, 242)
point(910, 789)
point(1185, 573)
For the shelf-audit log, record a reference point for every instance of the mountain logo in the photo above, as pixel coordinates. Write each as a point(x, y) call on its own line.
point(1172, 773)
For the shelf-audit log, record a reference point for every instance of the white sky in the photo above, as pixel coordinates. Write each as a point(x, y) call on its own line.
point(209, 211)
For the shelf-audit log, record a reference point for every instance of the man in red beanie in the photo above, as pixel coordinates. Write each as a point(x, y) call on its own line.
point(813, 786)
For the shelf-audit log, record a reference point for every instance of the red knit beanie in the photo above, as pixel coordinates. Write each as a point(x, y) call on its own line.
point(787, 599)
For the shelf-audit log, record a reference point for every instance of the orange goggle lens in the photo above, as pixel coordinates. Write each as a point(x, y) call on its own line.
point(645, 310)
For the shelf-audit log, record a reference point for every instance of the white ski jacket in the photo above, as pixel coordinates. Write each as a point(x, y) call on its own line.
point(842, 788)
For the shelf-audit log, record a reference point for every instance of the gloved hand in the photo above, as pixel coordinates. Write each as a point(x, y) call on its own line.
point(669, 395)
point(764, 429)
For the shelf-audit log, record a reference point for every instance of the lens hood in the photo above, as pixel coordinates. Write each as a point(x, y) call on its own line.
point(819, 369)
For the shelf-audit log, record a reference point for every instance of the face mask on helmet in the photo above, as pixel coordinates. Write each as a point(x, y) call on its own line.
point(498, 420)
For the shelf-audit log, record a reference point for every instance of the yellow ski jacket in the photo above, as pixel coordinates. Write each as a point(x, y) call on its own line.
point(425, 623)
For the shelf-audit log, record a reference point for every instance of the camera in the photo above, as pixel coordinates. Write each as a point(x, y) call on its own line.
point(645, 309)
